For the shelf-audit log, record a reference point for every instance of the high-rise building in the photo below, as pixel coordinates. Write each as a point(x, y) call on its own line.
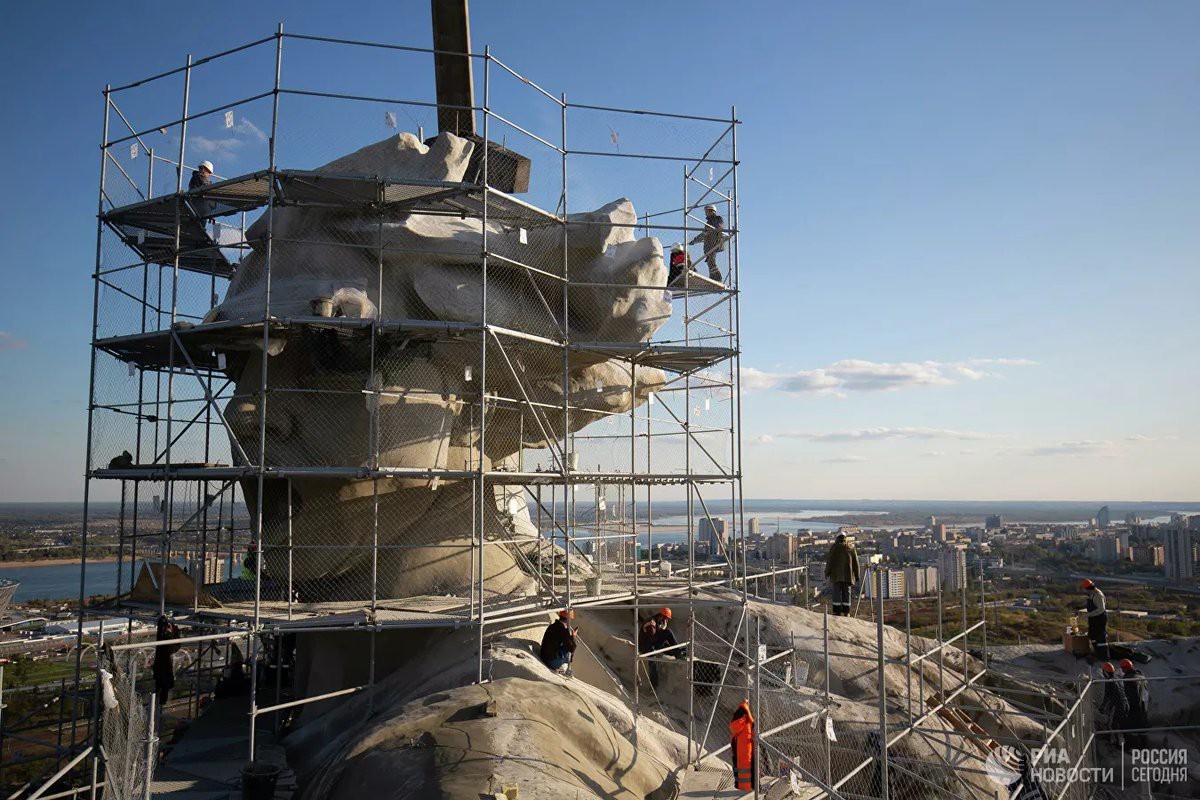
point(952, 567)
point(1147, 554)
point(1178, 555)
point(712, 532)
point(930, 522)
point(1103, 518)
point(921, 580)
point(1132, 519)
point(781, 547)
point(993, 522)
point(752, 527)
point(1105, 549)
point(939, 531)
point(888, 580)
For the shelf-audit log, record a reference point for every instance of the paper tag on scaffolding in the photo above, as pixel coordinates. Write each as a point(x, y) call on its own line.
point(389, 119)
point(829, 734)
point(141, 235)
point(229, 118)
point(522, 236)
point(132, 369)
point(220, 361)
point(133, 150)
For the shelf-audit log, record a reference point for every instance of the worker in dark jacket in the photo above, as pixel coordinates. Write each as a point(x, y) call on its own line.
point(713, 238)
point(1138, 694)
point(201, 178)
point(558, 642)
point(164, 666)
point(655, 635)
point(1097, 618)
point(1114, 705)
point(841, 569)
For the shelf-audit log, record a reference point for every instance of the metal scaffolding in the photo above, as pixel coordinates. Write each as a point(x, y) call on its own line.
point(185, 406)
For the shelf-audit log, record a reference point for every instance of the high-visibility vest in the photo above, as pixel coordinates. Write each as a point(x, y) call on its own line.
point(741, 744)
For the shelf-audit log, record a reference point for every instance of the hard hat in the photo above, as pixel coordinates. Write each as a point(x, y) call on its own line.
point(664, 612)
point(710, 208)
point(1086, 583)
point(677, 247)
point(206, 165)
point(567, 613)
point(1108, 668)
point(1126, 665)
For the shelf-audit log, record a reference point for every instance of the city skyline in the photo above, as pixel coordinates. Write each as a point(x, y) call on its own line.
point(985, 212)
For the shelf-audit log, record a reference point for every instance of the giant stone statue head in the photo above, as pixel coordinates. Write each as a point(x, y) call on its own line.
point(424, 406)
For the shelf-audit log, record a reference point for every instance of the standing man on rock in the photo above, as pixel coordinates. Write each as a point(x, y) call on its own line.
point(558, 643)
point(1097, 617)
point(841, 569)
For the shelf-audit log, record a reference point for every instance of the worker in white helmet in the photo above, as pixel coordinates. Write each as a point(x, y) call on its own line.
point(713, 239)
point(201, 178)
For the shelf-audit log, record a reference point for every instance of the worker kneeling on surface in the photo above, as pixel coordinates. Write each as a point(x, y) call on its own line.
point(558, 642)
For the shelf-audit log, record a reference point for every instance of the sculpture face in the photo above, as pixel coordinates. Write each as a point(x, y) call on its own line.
point(420, 407)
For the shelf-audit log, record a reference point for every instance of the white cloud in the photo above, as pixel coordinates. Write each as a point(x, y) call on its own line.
point(227, 148)
point(1080, 447)
point(844, 460)
point(883, 433)
point(933, 453)
point(761, 439)
point(858, 375)
point(1141, 437)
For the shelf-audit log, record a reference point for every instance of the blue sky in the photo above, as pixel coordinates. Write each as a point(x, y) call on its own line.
point(969, 229)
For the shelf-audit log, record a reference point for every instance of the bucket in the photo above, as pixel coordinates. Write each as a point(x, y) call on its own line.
point(322, 307)
point(593, 587)
point(258, 781)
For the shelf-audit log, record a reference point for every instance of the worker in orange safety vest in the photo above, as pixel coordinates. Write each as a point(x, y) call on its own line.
point(741, 745)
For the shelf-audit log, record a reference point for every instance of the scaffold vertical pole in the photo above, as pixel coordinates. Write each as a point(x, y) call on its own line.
point(272, 148)
point(568, 447)
point(483, 342)
point(758, 658)
point(735, 336)
point(825, 715)
point(882, 689)
point(87, 466)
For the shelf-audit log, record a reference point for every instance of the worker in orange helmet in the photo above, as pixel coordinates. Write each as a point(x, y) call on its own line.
point(741, 746)
point(1114, 707)
point(558, 642)
point(1097, 618)
point(1137, 692)
point(654, 635)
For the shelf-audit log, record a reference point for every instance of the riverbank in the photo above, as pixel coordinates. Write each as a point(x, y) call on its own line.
point(53, 562)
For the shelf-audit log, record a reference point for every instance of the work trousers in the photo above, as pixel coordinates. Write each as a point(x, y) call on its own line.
point(841, 598)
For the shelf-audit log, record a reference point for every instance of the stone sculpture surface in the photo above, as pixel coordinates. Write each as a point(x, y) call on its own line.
point(420, 408)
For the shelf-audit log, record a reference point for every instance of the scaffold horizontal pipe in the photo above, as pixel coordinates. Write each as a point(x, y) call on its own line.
point(205, 60)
